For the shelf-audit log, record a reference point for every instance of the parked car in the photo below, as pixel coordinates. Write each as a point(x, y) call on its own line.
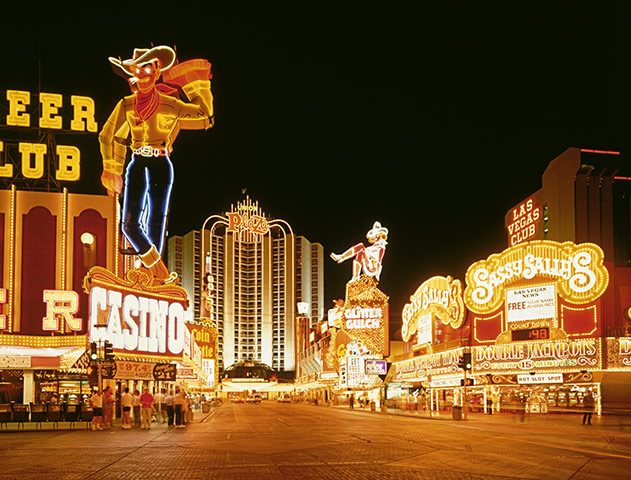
point(284, 398)
point(236, 399)
point(256, 398)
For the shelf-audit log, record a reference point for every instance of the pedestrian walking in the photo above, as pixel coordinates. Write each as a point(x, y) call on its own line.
point(127, 401)
point(136, 407)
point(96, 401)
point(351, 401)
point(160, 399)
point(588, 406)
point(179, 405)
point(168, 402)
point(146, 401)
point(108, 407)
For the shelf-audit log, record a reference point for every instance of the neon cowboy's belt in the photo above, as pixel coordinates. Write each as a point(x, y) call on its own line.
point(147, 151)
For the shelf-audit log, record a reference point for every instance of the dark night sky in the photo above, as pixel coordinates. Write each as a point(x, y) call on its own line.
point(432, 120)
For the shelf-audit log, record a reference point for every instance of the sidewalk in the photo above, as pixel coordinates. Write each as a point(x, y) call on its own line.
point(15, 427)
point(547, 419)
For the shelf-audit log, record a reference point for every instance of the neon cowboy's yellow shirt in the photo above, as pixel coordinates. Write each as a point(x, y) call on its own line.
point(158, 131)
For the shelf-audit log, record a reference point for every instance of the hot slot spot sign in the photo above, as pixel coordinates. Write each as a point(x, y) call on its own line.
point(531, 303)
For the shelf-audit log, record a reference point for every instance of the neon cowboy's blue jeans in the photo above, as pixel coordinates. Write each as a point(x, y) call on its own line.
point(146, 199)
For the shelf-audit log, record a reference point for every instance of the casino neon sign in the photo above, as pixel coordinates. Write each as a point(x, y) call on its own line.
point(438, 296)
point(135, 316)
point(524, 222)
point(576, 270)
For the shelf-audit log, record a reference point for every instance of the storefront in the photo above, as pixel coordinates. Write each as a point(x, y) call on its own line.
point(537, 315)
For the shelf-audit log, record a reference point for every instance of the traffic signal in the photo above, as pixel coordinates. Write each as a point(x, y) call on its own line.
point(108, 351)
point(465, 361)
point(469, 382)
point(94, 354)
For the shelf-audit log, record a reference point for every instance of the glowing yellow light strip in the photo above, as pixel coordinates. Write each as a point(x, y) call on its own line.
point(116, 235)
point(43, 341)
point(11, 259)
point(64, 233)
point(593, 307)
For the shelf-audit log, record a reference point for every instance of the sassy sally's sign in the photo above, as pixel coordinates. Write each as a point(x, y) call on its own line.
point(577, 271)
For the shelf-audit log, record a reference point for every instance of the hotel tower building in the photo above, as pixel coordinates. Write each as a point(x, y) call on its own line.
point(260, 272)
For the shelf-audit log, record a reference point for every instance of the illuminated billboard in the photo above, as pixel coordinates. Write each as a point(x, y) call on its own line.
point(365, 318)
point(34, 161)
point(137, 317)
point(577, 271)
point(149, 121)
point(523, 223)
point(439, 297)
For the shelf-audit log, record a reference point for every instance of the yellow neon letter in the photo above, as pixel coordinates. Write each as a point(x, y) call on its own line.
point(51, 103)
point(3, 299)
point(26, 149)
point(69, 163)
point(83, 110)
point(7, 169)
point(18, 100)
point(61, 304)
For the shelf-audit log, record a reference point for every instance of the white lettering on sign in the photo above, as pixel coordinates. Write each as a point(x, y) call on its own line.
point(548, 355)
point(524, 222)
point(61, 304)
point(531, 303)
point(543, 378)
point(363, 317)
point(440, 297)
point(136, 323)
point(424, 329)
point(577, 269)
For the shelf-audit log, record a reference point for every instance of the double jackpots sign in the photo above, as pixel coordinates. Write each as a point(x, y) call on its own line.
point(539, 357)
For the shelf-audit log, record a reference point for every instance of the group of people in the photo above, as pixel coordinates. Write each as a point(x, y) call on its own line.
point(171, 407)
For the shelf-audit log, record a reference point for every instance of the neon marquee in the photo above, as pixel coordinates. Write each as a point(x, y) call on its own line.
point(577, 270)
point(32, 155)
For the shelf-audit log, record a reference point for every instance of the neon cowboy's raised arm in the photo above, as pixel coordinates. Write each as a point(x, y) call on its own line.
point(193, 77)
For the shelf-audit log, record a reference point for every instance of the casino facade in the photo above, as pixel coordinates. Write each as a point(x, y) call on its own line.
point(546, 321)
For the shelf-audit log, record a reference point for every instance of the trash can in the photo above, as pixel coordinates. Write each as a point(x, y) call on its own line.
point(456, 412)
point(205, 408)
point(373, 406)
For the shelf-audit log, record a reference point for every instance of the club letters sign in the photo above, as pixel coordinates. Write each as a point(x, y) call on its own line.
point(577, 270)
point(524, 222)
point(32, 155)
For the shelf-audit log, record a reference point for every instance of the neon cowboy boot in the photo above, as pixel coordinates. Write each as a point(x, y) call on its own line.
point(350, 253)
point(152, 261)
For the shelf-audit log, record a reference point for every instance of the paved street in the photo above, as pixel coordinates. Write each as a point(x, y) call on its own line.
point(295, 441)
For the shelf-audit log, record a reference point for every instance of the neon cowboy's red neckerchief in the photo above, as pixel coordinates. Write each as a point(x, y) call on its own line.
point(147, 103)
